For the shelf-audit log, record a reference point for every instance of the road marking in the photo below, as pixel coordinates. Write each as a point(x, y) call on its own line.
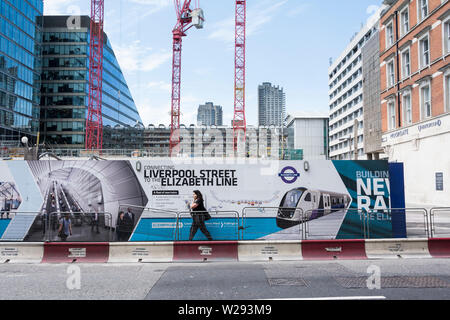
point(337, 298)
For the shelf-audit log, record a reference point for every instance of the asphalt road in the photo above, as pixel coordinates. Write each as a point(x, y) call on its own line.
point(400, 279)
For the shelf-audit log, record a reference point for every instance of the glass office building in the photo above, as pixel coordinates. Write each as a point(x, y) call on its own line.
point(65, 88)
point(19, 104)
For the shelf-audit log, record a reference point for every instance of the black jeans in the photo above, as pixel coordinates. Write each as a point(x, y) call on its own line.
point(198, 221)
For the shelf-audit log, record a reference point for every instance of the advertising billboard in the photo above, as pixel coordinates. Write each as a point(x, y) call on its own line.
point(140, 200)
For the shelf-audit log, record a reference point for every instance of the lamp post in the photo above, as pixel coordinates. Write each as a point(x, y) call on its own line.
point(31, 153)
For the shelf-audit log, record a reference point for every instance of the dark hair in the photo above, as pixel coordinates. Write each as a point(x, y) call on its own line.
point(199, 194)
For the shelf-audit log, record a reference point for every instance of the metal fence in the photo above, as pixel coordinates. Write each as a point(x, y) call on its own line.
point(223, 226)
point(84, 227)
point(264, 223)
point(372, 224)
point(440, 223)
point(326, 224)
point(154, 225)
point(116, 153)
point(417, 221)
point(272, 223)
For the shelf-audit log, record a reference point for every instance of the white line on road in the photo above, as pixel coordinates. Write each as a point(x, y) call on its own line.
point(337, 298)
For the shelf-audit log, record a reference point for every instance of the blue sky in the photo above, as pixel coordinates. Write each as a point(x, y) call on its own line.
point(289, 43)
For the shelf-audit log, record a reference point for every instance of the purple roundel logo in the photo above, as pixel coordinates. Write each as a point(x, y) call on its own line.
point(289, 175)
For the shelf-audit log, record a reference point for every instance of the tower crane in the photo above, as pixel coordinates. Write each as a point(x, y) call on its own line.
point(186, 19)
point(94, 121)
point(239, 122)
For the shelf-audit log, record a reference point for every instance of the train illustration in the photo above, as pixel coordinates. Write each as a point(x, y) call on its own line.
point(314, 204)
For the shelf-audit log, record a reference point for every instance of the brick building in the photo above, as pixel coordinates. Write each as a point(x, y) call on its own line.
point(415, 95)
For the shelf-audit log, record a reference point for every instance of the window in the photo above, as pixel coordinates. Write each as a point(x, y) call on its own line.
point(423, 9)
point(308, 197)
point(425, 101)
point(447, 37)
point(389, 35)
point(407, 111)
point(424, 46)
point(404, 21)
point(390, 74)
point(447, 92)
point(406, 64)
point(391, 115)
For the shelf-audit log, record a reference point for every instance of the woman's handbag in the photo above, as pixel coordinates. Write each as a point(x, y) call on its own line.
point(207, 216)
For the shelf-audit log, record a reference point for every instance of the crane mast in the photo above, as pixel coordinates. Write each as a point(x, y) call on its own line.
point(239, 122)
point(94, 121)
point(186, 19)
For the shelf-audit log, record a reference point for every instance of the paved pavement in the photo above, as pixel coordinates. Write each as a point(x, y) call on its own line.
point(400, 279)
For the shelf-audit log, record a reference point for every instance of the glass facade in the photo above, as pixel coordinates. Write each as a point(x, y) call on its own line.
point(19, 104)
point(65, 88)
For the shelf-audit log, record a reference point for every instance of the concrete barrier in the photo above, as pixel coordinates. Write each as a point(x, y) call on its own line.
point(66, 252)
point(439, 247)
point(21, 252)
point(125, 252)
point(205, 251)
point(397, 248)
point(333, 249)
point(269, 250)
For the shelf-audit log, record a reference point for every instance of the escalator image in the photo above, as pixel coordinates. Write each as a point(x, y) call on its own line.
point(89, 194)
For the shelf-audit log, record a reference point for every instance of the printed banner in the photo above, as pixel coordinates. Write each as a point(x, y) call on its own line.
point(140, 200)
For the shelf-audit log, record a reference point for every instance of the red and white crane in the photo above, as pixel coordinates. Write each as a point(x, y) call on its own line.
point(239, 122)
point(186, 19)
point(94, 122)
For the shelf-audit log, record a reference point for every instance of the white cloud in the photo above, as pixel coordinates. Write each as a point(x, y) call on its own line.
point(153, 3)
point(159, 113)
point(75, 7)
point(299, 10)
point(160, 85)
point(153, 100)
point(62, 7)
point(257, 17)
point(152, 113)
point(136, 57)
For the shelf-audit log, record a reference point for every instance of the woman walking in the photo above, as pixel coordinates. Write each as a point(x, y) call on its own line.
point(199, 214)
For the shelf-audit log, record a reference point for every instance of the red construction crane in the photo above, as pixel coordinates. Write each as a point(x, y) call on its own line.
point(239, 122)
point(94, 122)
point(186, 19)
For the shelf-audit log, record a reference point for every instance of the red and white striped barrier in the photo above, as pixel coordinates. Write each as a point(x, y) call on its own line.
point(397, 248)
point(439, 248)
point(270, 250)
point(129, 252)
point(333, 249)
point(21, 252)
point(66, 252)
point(205, 251)
point(140, 252)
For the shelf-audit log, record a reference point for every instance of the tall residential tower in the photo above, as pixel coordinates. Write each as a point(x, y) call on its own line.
point(271, 105)
point(209, 115)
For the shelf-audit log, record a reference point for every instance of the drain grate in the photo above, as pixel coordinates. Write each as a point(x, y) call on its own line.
point(299, 282)
point(394, 282)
